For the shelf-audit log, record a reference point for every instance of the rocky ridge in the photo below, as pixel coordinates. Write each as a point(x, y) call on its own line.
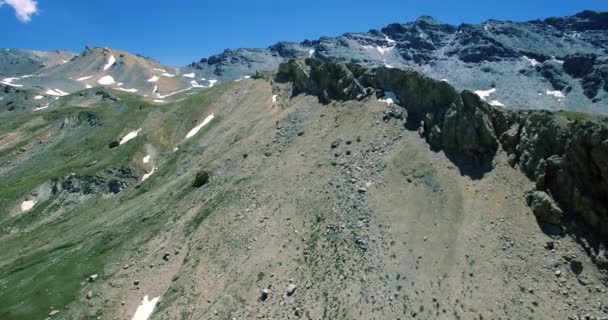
point(567, 158)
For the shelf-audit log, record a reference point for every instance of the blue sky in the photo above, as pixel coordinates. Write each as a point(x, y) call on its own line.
point(181, 31)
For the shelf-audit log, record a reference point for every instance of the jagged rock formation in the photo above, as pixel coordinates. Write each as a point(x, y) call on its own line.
point(568, 159)
point(551, 64)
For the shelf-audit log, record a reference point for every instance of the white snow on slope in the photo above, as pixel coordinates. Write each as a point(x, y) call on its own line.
point(111, 61)
point(56, 92)
point(195, 84)
point(274, 98)
point(145, 309)
point(106, 80)
point(159, 101)
point(189, 75)
point(8, 82)
point(27, 205)
point(153, 79)
point(172, 93)
point(161, 70)
point(389, 40)
point(84, 78)
point(196, 129)
point(384, 50)
point(155, 88)
point(88, 86)
point(497, 103)
point(127, 90)
point(43, 107)
point(389, 98)
point(147, 175)
point(533, 62)
point(311, 52)
point(556, 93)
point(484, 94)
point(38, 97)
point(131, 135)
point(146, 159)
point(212, 82)
point(168, 75)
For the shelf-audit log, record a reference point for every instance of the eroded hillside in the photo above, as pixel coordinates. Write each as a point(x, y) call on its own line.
point(322, 191)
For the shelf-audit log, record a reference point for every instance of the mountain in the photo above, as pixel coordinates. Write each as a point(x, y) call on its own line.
point(554, 64)
point(22, 62)
point(558, 63)
point(319, 188)
point(95, 67)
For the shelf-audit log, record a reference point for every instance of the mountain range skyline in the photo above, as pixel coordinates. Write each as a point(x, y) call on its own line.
point(193, 30)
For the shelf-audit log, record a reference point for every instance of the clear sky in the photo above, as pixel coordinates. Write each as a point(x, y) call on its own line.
point(181, 31)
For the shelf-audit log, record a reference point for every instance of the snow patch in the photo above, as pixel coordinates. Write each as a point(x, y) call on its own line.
point(145, 309)
point(161, 70)
point(555, 93)
point(496, 103)
point(84, 78)
point(389, 98)
point(167, 74)
point(172, 93)
point(196, 129)
point(147, 175)
point(274, 98)
point(532, 61)
point(153, 79)
point(159, 101)
point(146, 159)
point(384, 50)
point(311, 53)
point(106, 80)
point(444, 80)
point(8, 82)
point(189, 75)
point(212, 82)
point(27, 205)
point(38, 97)
point(56, 92)
point(484, 94)
point(111, 61)
point(389, 40)
point(127, 90)
point(88, 86)
point(131, 135)
point(43, 107)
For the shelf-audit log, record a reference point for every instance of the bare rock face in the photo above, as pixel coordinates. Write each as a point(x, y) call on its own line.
point(544, 207)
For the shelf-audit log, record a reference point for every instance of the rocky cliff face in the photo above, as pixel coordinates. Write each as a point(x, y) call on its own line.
point(552, 64)
point(566, 156)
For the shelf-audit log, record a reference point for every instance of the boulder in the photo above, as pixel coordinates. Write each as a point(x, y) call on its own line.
point(201, 178)
point(544, 208)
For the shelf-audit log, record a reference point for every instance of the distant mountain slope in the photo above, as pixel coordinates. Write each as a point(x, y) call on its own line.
point(107, 67)
point(557, 63)
point(15, 62)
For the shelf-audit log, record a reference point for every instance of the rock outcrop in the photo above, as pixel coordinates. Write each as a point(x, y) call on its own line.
point(565, 154)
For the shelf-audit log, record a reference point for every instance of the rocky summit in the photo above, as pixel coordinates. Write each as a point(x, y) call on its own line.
point(420, 171)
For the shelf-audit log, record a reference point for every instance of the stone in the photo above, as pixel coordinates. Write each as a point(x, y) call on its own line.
point(93, 277)
point(201, 178)
point(544, 208)
point(53, 312)
point(291, 289)
point(89, 295)
point(264, 295)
